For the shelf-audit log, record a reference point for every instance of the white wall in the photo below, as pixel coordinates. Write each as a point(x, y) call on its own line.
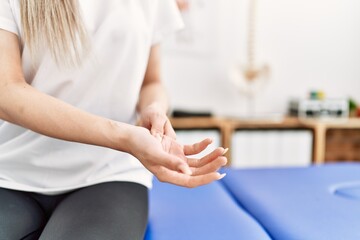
point(308, 44)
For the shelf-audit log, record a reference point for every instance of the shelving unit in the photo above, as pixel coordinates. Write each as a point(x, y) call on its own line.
point(321, 127)
point(228, 126)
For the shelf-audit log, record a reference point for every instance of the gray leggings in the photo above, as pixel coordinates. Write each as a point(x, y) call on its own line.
point(114, 210)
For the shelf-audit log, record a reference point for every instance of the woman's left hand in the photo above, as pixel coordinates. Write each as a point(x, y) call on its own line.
point(154, 119)
point(210, 163)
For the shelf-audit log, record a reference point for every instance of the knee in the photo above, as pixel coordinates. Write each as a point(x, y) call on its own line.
point(20, 217)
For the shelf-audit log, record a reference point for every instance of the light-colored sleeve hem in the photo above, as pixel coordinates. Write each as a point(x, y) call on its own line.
point(8, 26)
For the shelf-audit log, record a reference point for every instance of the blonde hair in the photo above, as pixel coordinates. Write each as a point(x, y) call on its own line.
point(57, 25)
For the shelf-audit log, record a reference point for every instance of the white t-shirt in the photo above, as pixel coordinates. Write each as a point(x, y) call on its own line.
point(122, 33)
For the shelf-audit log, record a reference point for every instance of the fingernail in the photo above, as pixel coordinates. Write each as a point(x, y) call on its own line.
point(222, 176)
point(225, 151)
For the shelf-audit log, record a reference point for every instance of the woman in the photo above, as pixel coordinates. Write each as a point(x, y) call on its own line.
point(74, 76)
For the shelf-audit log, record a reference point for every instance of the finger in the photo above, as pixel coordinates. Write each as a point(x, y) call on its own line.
point(193, 162)
point(188, 181)
point(169, 130)
point(197, 147)
point(174, 163)
point(213, 166)
point(157, 125)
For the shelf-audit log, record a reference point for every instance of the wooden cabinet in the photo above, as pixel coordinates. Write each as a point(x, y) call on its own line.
point(322, 129)
point(342, 145)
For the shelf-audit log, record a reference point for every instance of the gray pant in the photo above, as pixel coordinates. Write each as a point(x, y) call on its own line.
point(114, 210)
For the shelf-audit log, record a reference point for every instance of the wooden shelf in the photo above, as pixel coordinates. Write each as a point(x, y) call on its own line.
point(227, 126)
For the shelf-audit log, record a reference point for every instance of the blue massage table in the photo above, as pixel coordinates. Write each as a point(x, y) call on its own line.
point(315, 203)
point(204, 213)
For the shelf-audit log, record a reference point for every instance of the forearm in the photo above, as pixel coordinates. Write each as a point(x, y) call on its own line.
point(23, 105)
point(153, 94)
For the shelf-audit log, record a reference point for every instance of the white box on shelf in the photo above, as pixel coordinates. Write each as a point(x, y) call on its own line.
point(271, 148)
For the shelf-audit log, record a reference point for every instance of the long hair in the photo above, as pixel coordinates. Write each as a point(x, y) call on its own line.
point(57, 25)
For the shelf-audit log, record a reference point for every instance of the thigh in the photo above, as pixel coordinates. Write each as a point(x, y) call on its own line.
point(20, 216)
point(115, 210)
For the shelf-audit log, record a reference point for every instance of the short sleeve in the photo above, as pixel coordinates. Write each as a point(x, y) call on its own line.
point(168, 20)
point(7, 20)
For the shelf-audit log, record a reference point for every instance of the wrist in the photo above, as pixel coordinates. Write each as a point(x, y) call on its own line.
point(160, 108)
point(120, 136)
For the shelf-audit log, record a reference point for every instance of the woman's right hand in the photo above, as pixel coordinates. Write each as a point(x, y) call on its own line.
point(170, 162)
